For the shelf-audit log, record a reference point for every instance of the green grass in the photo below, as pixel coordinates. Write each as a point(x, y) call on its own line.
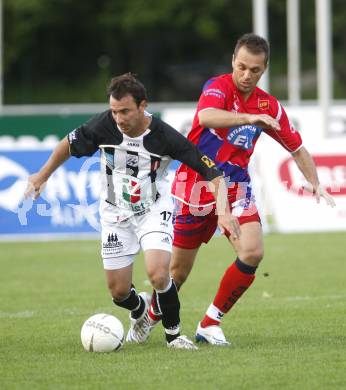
point(287, 332)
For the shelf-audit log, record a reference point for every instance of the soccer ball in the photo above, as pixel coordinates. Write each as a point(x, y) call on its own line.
point(102, 333)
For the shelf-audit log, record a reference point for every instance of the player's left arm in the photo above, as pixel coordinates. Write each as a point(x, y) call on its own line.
point(291, 140)
point(227, 223)
point(307, 166)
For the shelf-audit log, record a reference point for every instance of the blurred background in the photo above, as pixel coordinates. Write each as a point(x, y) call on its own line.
point(58, 56)
point(65, 51)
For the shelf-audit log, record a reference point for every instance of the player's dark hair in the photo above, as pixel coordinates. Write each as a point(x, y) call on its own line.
point(127, 84)
point(254, 44)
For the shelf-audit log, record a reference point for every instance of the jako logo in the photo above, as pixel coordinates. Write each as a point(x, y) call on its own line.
point(331, 171)
point(13, 181)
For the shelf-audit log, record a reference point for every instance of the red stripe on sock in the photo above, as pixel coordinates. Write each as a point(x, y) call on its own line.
point(207, 321)
point(152, 315)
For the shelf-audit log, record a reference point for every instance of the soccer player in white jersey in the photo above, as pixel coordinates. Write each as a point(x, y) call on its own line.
point(136, 207)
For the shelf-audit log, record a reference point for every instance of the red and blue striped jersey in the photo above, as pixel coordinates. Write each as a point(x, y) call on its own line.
point(231, 148)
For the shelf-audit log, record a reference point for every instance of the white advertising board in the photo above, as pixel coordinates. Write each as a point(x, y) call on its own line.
point(294, 209)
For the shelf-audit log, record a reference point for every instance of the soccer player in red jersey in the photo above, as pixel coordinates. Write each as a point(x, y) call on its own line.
point(232, 113)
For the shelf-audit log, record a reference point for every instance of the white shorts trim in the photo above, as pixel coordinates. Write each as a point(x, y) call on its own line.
point(112, 263)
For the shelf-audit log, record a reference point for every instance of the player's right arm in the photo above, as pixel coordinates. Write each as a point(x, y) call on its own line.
point(217, 118)
point(37, 180)
point(82, 141)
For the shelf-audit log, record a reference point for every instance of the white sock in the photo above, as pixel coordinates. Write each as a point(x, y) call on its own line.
point(214, 313)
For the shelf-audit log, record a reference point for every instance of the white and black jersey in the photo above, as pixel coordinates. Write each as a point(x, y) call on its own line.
point(134, 170)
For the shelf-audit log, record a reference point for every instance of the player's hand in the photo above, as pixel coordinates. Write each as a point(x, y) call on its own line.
point(320, 192)
point(265, 121)
point(229, 225)
point(35, 186)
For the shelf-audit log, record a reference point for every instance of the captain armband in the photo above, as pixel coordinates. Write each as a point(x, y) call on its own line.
point(207, 161)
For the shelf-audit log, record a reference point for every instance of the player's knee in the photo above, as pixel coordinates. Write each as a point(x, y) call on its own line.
point(159, 280)
point(253, 256)
point(118, 292)
point(119, 295)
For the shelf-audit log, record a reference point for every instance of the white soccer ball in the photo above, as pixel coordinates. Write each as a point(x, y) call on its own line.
point(102, 333)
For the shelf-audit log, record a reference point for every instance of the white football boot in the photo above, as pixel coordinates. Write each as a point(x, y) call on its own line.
point(140, 328)
point(182, 342)
point(212, 335)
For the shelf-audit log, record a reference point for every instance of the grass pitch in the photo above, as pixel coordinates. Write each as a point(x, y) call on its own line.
point(287, 332)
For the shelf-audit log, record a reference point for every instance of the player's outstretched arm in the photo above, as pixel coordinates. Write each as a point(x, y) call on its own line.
point(227, 223)
point(36, 181)
point(307, 166)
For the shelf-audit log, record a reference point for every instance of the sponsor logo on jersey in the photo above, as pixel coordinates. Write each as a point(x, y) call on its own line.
point(214, 92)
point(207, 161)
point(132, 160)
point(131, 190)
point(243, 136)
point(135, 144)
point(263, 104)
